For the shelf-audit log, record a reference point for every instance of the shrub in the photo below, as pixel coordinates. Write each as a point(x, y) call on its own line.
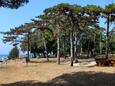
point(14, 53)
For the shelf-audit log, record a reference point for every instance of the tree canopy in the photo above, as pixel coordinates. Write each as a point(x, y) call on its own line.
point(13, 4)
point(66, 29)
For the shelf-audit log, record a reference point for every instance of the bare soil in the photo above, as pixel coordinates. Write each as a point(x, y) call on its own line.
point(43, 73)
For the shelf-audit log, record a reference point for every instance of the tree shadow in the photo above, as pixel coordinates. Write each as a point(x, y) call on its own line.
point(73, 79)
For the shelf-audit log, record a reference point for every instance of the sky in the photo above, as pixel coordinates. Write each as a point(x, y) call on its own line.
point(10, 18)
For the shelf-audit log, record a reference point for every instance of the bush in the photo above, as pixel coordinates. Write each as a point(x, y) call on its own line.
point(14, 53)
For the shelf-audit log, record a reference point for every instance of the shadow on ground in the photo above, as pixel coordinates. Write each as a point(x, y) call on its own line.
point(73, 79)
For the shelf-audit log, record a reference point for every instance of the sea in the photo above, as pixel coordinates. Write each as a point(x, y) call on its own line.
point(3, 57)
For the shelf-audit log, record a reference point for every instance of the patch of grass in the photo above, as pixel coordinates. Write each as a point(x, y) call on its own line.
point(42, 60)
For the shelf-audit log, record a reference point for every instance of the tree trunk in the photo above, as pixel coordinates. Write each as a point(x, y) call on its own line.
point(28, 46)
point(107, 37)
point(64, 53)
point(71, 36)
point(46, 54)
point(72, 48)
point(58, 48)
point(81, 45)
point(81, 50)
point(63, 49)
point(94, 46)
point(75, 48)
point(88, 51)
point(100, 44)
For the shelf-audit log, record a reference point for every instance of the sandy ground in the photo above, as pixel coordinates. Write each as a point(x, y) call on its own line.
point(17, 73)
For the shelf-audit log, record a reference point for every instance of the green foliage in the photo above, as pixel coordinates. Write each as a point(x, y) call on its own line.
point(14, 53)
point(112, 47)
point(110, 9)
point(58, 22)
point(14, 4)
